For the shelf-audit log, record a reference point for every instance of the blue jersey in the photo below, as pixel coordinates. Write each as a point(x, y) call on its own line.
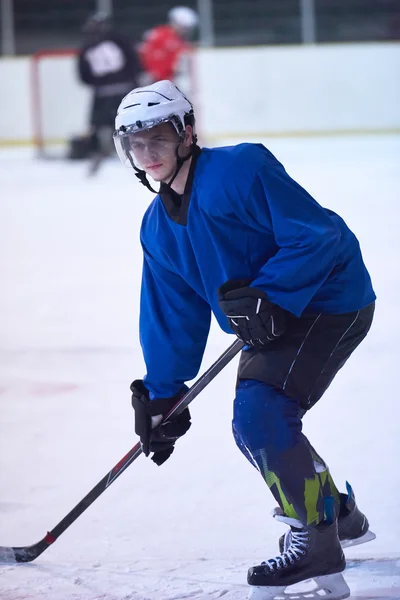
point(243, 217)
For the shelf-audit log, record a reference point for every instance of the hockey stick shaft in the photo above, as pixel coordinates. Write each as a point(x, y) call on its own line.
point(29, 553)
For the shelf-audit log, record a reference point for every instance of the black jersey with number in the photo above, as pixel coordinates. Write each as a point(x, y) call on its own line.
point(109, 64)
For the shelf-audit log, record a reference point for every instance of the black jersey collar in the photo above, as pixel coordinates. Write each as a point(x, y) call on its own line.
point(177, 205)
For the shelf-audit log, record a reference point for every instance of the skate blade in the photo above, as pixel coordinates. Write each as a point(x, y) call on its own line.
point(363, 539)
point(327, 587)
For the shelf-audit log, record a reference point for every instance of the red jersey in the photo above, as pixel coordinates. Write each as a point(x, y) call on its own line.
point(160, 52)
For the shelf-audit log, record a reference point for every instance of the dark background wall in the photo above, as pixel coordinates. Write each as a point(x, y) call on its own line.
point(46, 24)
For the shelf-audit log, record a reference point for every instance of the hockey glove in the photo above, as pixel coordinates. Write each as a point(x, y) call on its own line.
point(155, 436)
point(252, 317)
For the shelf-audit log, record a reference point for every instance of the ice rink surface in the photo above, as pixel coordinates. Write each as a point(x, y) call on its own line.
point(70, 264)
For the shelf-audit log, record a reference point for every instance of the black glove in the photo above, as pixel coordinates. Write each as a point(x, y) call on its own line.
point(156, 437)
point(252, 317)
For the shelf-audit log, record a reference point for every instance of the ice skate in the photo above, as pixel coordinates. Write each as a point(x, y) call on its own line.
point(313, 553)
point(353, 526)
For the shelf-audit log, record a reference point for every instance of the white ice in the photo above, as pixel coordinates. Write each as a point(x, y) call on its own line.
point(70, 264)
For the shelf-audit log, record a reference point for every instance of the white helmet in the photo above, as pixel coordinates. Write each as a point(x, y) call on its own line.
point(183, 16)
point(146, 107)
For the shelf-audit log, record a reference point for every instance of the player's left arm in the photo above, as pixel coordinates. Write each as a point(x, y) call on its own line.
point(307, 241)
point(307, 238)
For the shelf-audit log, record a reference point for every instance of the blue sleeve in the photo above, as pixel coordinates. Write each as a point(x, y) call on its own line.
point(306, 237)
point(174, 326)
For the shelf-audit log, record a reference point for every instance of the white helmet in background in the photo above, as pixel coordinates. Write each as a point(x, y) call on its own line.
point(183, 17)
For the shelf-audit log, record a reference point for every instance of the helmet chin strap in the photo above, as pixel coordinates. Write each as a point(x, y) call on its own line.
point(142, 176)
point(179, 164)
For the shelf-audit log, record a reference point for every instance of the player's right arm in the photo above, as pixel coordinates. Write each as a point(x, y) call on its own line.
point(174, 326)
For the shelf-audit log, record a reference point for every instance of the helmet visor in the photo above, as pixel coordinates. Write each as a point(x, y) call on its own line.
point(139, 151)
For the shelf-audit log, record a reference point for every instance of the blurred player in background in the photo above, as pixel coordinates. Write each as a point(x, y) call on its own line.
point(165, 50)
point(107, 63)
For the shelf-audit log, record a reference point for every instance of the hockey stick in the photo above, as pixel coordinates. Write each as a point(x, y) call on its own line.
point(29, 553)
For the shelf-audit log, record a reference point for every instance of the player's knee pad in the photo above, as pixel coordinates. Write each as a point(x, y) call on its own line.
point(264, 418)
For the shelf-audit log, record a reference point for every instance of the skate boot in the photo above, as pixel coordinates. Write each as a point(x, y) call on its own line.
point(314, 552)
point(353, 526)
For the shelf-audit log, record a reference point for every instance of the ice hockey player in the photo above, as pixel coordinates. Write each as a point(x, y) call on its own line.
point(231, 232)
point(107, 63)
point(164, 47)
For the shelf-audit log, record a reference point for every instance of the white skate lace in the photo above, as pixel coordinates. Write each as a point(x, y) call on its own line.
point(297, 549)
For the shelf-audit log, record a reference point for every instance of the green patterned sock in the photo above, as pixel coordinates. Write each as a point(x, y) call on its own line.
point(315, 490)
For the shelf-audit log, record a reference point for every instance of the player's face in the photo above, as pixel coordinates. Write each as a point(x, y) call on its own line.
point(186, 33)
point(155, 151)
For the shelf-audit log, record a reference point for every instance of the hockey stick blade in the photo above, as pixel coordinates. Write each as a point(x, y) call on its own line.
point(23, 554)
point(20, 554)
